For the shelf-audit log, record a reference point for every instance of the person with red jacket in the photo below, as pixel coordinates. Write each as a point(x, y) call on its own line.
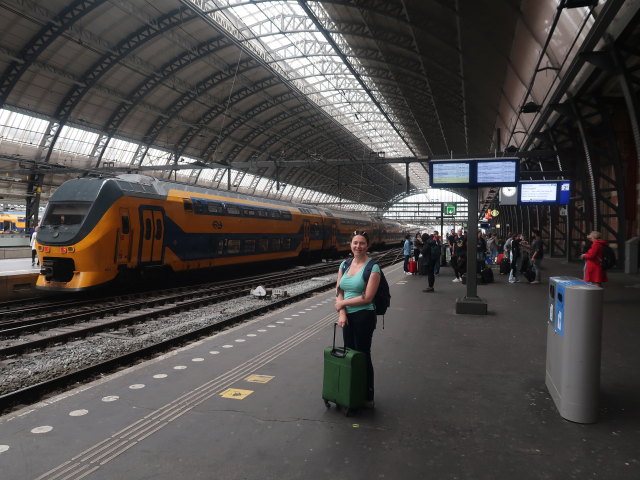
point(594, 273)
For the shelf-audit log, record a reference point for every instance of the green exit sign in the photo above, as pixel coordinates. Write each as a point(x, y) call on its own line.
point(450, 209)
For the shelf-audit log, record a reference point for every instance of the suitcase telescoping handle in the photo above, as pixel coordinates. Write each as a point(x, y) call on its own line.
point(339, 352)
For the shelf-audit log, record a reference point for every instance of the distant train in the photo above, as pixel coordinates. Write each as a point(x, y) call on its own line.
point(12, 222)
point(95, 230)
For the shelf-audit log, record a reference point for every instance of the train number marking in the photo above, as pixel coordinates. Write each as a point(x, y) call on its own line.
point(216, 225)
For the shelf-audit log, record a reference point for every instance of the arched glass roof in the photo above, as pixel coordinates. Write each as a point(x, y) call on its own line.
point(300, 43)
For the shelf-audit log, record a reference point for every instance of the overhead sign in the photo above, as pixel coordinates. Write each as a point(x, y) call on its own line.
point(450, 173)
point(554, 192)
point(474, 172)
point(496, 173)
point(450, 209)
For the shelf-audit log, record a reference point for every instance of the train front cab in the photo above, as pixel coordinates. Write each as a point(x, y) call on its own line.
point(85, 233)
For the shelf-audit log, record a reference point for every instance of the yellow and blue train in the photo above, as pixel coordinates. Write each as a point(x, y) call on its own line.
point(95, 230)
point(12, 222)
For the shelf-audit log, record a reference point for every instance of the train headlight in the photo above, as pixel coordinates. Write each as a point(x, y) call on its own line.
point(71, 249)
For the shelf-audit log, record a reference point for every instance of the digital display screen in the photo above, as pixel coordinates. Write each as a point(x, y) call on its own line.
point(551, 192)
point(450, 173)
point(538, 192)
point(497, 172)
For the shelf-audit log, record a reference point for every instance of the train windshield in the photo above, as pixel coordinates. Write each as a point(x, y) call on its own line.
point(65, 214)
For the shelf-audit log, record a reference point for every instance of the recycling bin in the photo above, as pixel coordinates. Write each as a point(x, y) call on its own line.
point(574, 334)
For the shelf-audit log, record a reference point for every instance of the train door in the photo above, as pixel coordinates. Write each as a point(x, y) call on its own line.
point(152, 233)
point(306, 239)
point(124, 238)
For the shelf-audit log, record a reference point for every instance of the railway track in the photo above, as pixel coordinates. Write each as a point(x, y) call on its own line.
point(34, 334)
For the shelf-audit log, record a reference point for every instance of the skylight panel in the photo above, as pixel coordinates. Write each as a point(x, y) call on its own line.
point(282, 32)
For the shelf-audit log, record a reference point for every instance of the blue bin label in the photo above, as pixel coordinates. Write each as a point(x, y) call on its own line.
point(559, 319)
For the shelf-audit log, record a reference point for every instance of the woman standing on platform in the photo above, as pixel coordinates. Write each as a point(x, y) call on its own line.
point(594, 273)
point(406, 252)
point(34, 253)
point(354, 303)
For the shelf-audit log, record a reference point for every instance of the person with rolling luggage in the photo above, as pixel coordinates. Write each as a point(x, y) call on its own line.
point(354, 304)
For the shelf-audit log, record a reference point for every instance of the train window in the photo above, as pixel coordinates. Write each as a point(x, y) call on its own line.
point(233, 210)
point(274, 244)
point(188, 206)
point(285, 215)
point(286, 244)
point(125, 224)
point(233, 246)
point(274, 213)
point(158, 229)
point(147, 229)
point(215, 208)
point(221, 246)
point(263, 245)
point(249, 246)
point(262, 213)
point(249, 212)
point(65, 213)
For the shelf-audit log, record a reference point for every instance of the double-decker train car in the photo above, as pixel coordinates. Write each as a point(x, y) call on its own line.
point(12, 222)
point(95, 230)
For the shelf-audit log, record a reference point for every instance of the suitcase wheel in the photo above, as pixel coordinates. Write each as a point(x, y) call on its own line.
point(326, 403)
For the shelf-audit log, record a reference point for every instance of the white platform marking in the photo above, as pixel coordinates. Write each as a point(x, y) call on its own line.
point(43, 429)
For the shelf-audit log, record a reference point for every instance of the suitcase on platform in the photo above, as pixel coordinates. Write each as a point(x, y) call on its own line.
point(500, 257)
point(505, 266)
point(413, 267)
point(345, 377)
point(487, 275)
point(529, 274)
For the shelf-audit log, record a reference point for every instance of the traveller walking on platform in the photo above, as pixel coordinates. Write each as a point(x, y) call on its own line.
point(34, 253)
point(516, 255)
point(594, 272)
point(537, 253)
point(430, 257)
point(354, 304)
point(406, 251)
point(459, 259)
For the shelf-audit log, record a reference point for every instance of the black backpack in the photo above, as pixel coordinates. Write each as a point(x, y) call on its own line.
point(608, 259)
point(382, 298)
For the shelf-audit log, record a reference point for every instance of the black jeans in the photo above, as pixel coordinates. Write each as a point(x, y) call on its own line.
point(430, 269)
point(358, 335)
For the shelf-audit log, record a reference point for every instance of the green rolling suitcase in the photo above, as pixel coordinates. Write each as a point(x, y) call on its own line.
point(345, 377)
